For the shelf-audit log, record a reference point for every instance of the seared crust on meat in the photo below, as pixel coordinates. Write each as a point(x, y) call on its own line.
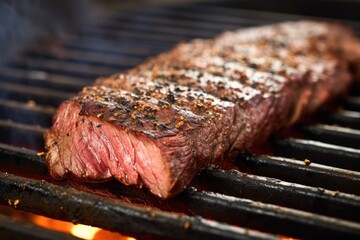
point(158, 124)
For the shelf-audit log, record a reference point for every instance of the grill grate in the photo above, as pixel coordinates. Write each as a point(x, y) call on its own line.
point(272, 195)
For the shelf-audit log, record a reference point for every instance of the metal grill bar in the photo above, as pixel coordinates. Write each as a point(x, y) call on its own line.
point(41, 95)
point(349, 119)
point(270, 218)
point(68, 204)
point(296, 171)
point(23, 113)
point(352, 103)
point(79, 70)
point(275, 191)
point(22, 161)
point(91, 58)
point(153, 38)
point(334, 135)
point(319, 152)
point(22, 134)
point(145, 18)
point(110, 46)
point(160, 28)
point(190, 13)
point(41, 79)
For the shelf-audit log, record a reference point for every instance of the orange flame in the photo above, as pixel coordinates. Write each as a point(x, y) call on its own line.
point(84, 231)
point(77, 230)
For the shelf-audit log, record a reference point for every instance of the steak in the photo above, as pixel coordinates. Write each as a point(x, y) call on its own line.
point(159, 124)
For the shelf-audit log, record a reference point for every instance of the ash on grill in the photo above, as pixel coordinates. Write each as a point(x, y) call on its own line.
point(309, 188)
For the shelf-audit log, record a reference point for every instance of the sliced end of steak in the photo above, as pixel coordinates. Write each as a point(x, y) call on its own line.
point(93, 149)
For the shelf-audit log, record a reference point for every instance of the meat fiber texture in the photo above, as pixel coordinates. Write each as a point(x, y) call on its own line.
point(159, 124)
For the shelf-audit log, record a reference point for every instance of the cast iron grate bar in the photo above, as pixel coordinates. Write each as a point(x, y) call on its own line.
point(352, 103)
point(55, 66)
point(167, 21)
point(26, 113)
point(210, 18)
point(292, 170)
point(111, 46)
point(334, 135)
point(90, 58)
point(268, 217)
point(25, 161)
point(274, 191)
point(23, 135)
point(154, 38)
point(39, 95)
point(344, 118)
point(42, 79)
point(130, 25)
point(68, 204)
point(314, 151)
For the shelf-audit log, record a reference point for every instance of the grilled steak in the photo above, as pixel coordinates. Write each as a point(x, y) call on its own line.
point(160, 123)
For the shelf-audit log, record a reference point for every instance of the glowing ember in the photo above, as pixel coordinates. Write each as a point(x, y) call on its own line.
point(83, 231)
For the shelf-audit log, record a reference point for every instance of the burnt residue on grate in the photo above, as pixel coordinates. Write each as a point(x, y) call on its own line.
point(309, 187)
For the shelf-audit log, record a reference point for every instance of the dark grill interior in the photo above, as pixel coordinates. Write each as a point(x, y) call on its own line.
point(264, 197)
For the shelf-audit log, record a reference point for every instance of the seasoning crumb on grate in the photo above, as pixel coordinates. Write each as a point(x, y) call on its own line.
point(321, 189)
point(187, 225)
point(307, 162)
point(335, 193)
point(152, 214)
point(31, 103)
point(39, 154)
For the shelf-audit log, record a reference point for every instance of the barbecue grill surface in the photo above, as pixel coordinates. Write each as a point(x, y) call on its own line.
point(308, 187)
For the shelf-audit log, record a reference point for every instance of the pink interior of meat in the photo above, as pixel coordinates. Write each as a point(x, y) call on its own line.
point(90, 148)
